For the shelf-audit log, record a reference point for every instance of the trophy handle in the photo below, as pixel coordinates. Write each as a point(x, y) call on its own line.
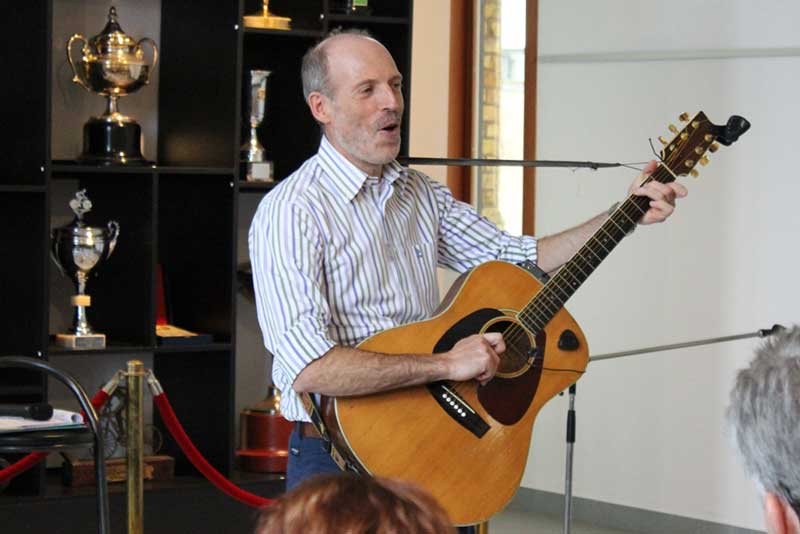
point(54, 253)
point(155, 54)
point(76, 78)
point(113, 232)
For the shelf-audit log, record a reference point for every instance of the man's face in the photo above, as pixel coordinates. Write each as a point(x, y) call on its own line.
point(366, 103)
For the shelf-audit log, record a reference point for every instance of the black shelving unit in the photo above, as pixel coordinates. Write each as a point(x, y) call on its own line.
point(180, 213)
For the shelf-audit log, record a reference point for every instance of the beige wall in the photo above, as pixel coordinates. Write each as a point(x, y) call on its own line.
point(429, 82)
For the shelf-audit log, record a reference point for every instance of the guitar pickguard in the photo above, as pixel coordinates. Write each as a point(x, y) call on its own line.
point(506, 398)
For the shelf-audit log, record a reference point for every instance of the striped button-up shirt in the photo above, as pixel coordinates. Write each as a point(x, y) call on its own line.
point(338, 255)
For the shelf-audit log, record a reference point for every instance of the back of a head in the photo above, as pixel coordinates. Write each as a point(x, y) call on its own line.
point(764, 416)
point(349, 503)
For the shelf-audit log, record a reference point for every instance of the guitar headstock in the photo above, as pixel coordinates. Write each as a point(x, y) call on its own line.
point(689, 146)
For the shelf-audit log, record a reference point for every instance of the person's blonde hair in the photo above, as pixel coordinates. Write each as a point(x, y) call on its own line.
point(349, 503)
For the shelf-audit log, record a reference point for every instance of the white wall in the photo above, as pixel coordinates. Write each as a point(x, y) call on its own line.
point(651, 428)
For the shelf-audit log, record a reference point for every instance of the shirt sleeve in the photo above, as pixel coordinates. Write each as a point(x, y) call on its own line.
point(293, 312)
point(467, 238)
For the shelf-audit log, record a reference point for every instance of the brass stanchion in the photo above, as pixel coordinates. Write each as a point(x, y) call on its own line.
point(483, 528)
point(135, 443)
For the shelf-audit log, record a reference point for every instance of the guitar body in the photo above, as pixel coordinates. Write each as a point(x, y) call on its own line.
point(470, 458)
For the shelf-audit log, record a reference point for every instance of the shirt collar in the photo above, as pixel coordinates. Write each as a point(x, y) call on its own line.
point(344, 178)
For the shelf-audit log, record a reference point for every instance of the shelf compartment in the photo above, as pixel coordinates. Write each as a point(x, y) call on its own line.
point(288, 132)
point(197, 115)
point(122, 288)
point(379, 9)
point(24, 237)
point(306, 15)
point(26, 94)
point(195, 249)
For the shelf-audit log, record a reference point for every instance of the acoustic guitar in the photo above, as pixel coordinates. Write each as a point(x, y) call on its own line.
point(468, 444)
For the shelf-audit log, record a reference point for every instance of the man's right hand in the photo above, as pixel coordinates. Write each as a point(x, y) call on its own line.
point(476, 356)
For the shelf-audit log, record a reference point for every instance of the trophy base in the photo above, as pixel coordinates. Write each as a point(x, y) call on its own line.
point(261, 171)
point(268, 22)
point(86, 341)
point(262, 461)
point(112, 143)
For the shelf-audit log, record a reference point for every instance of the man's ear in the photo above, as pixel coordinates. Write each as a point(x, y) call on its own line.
point(780, 517)
point(320, 107)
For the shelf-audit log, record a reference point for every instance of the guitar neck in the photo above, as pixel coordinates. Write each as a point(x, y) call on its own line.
point(553, 295)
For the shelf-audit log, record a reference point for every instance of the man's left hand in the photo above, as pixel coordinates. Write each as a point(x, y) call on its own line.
point(662, 196)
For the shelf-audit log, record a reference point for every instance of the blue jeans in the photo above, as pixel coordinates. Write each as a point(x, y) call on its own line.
point(308, 457)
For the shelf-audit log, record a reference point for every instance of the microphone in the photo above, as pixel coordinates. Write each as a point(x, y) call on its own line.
point(38, 412)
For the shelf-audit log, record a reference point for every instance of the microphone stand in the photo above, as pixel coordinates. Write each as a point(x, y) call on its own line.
point(481, 162)
point(571, 412)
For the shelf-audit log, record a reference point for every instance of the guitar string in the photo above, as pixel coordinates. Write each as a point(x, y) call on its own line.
point(538, 301)
point(514, 333)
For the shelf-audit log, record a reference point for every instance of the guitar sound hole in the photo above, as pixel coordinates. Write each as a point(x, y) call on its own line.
point(518, 356)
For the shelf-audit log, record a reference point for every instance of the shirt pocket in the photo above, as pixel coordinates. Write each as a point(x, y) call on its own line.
point(421, 258)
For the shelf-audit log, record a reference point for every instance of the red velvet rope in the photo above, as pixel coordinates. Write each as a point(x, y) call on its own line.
point(22, 465)
point(202, 465)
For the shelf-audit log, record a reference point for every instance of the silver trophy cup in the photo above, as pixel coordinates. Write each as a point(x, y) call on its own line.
point(252, 152)
point(78, 249)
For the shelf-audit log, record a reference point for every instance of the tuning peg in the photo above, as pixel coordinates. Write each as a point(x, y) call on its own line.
point(673, 128)
point(662, 140)
point(713, 147)
point(694, 173)
point(698, 150)
point(689, 163)
point(704, 161)
point(683, 117)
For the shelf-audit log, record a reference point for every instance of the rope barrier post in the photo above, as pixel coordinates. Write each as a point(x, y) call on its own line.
point(134, 415)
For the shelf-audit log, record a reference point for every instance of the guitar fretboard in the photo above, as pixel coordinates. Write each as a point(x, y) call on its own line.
point(553, 295)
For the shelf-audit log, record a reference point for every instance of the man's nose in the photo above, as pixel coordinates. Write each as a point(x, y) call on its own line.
point(390, 98)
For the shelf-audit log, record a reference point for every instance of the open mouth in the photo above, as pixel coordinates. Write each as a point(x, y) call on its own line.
point(392, 127)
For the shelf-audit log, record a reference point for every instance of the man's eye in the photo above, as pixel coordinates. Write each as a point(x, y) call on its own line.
point(398, 85)
point(366, 90)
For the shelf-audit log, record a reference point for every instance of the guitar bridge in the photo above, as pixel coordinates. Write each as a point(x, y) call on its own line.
point(458, 409)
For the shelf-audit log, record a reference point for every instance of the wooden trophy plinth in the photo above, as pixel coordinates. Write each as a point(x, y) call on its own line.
point(265, 437)
point(80, 473)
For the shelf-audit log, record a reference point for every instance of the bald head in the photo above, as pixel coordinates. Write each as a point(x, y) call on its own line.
point(316, 69)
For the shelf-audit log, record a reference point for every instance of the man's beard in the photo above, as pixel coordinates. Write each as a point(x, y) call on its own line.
point(358, 144)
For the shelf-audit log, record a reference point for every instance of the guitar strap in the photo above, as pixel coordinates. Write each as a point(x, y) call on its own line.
point(314, 412)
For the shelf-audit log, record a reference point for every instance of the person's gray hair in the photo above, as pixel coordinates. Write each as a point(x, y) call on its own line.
point(764, 416)
point(314, 69)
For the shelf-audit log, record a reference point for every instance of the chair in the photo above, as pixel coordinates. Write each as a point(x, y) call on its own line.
point(54, 440)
